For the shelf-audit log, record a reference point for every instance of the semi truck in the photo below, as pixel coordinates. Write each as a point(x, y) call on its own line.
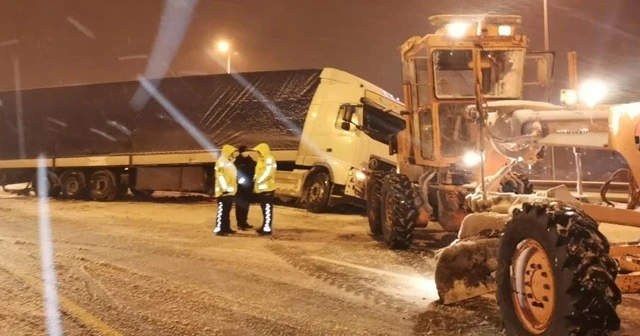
point(326, 128)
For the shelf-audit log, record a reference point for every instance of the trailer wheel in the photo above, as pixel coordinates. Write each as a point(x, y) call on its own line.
point(318, 192)
point(374, 202)
point(73, 184)
point(399, 213)
point(555, 275)
point(103, 186)
point(52, 187)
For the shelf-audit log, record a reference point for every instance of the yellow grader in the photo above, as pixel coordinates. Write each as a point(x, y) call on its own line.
point(553, 272)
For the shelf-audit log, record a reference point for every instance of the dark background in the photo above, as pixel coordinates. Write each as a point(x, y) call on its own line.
point(359, 36)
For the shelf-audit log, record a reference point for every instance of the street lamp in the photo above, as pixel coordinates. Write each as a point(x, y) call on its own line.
point(224, 47)
point(546, 24)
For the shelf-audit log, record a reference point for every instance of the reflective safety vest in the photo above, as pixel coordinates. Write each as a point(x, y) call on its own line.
point(226, 175)
point(265, 178)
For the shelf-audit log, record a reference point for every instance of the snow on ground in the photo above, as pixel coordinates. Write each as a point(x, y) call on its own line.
point(155, 268)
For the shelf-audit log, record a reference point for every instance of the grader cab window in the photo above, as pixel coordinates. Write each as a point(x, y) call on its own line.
point(502, 72)
point(455, 130)
point(426, 134)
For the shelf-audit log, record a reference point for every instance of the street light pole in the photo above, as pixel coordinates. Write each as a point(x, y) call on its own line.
point(545, 4)
point(546, 25)
point(224, 47)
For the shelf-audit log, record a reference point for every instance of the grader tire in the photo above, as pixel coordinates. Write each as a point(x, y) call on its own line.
point(399, 212)
point(374, 202)
point(563, 276)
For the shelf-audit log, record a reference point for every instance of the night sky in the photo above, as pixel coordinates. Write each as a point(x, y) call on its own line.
point(71, 42)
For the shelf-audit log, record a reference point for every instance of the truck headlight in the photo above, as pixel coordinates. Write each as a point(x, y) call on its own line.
point(360, 176)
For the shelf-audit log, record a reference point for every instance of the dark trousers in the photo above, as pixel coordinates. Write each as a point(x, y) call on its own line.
point(223, 220)
point(266, 203)
point(243, 199)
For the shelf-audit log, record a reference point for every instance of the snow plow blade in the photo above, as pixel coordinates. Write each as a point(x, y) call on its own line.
point(466, 269)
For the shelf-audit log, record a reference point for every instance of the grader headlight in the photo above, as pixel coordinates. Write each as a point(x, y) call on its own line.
point(471, 159)
point(458, 29)
point(505, 30)
point(592, 92)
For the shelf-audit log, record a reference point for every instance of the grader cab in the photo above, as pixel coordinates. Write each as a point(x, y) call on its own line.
point(554, 273)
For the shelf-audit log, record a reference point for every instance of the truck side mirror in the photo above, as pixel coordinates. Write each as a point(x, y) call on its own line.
point(349, 111)
point(393, 144)
point(346, 125)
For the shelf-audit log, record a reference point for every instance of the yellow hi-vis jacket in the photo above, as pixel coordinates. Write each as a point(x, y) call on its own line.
point(225, 172)
point(265, 178)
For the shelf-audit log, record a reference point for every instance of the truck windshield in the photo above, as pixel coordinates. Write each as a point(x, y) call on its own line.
point(502, 72)
point(379, 125)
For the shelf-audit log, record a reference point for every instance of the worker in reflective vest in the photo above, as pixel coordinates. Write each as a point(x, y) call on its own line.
point(226, 186)
point(264, 186)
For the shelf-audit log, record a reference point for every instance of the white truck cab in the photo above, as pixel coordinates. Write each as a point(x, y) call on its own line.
point(346, 132)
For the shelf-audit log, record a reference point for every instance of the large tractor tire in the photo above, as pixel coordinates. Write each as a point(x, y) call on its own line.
point(103, 186)
point(374, 202)
point(399, 212)
point(555, 275)
point(318, 192)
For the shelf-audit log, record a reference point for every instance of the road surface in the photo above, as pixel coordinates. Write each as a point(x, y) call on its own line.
point(155, 268)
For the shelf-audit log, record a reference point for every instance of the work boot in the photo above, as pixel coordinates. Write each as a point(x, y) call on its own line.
point(245, 227)
point(263, 233)
point(222, 233)
point(229, 231)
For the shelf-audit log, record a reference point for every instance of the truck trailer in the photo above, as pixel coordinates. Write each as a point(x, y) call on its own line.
point(326, 128)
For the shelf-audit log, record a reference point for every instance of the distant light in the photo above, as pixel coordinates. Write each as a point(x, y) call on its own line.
point(223, 46)
point(592, 92)
point(458, 29)
point(505, 30)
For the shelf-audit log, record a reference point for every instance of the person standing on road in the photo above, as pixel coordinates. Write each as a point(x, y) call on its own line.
point(265, 186)
point(226, 186)
point(246, 167)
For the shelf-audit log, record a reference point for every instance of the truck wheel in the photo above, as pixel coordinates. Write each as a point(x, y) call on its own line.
point(73, 184)
point(103, 187)
point(509, 186)
point(555, 275)
point(52, 187)
point(399, 213)
point(318, 192)
point(374, 202)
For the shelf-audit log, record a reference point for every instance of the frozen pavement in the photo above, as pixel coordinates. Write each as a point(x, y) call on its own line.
point(155, 268)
